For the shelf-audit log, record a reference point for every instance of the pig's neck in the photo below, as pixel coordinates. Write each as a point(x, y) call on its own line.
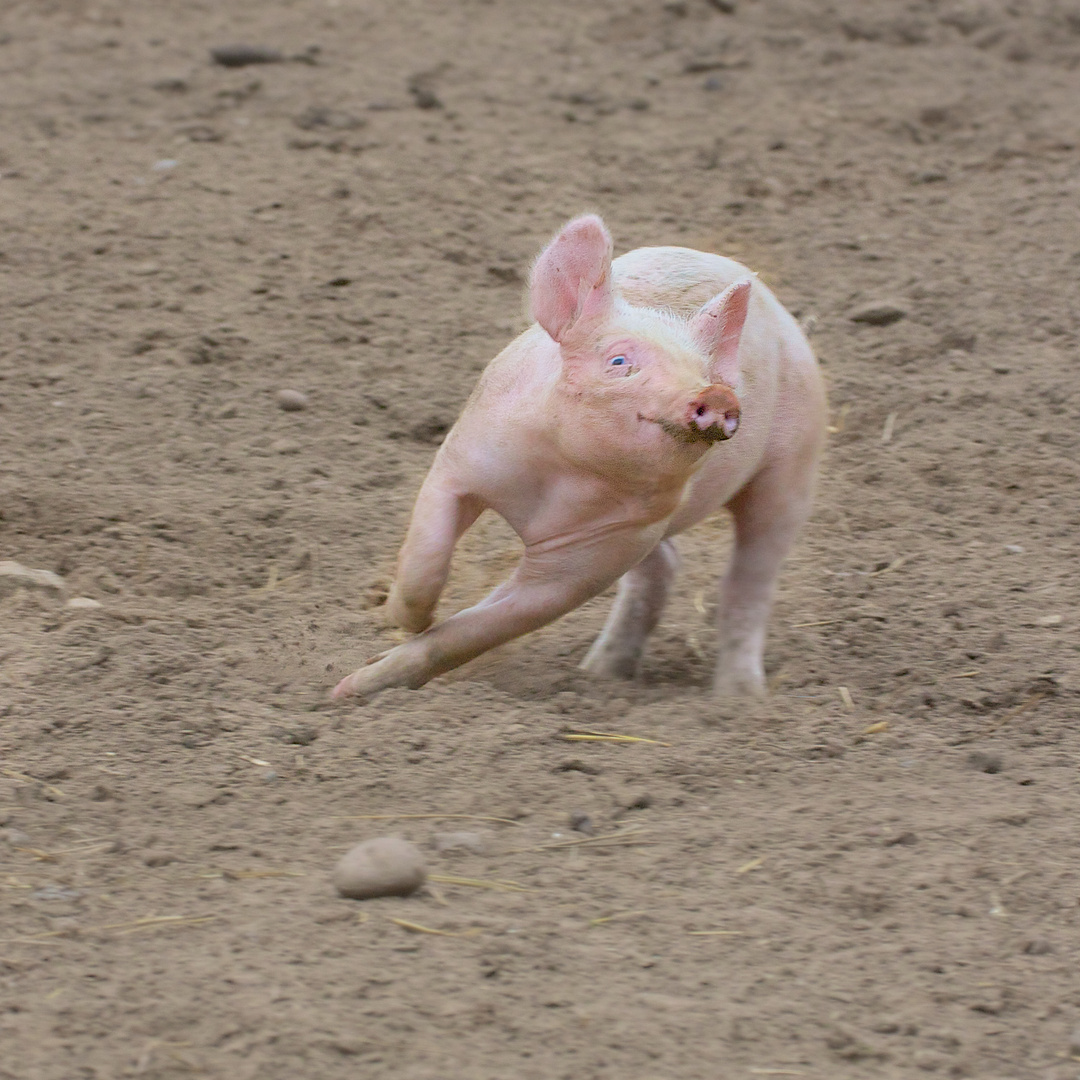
point(595, 443)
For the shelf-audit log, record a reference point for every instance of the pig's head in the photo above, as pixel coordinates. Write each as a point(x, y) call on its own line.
point(640, 381)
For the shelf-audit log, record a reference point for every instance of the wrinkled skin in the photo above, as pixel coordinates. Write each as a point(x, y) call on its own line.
point(650, 392)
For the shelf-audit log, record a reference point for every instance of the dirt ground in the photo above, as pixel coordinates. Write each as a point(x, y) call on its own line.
point(874, 873)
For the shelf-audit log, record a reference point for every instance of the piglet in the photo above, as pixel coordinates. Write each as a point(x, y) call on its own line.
point(650, 392)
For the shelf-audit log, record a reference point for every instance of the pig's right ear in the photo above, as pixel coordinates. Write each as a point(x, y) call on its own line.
point(717, 327)
point(570, 288)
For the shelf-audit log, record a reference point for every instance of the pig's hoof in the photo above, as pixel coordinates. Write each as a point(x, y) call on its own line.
point(608, 664)
point(735, 685)
point(350, 686)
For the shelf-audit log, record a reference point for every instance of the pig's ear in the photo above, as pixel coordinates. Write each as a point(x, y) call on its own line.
point(571, 281)
point(717, 328)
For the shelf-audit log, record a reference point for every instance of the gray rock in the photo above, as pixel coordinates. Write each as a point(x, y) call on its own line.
point(878, 313)
point(292, 400)
point(385, 866)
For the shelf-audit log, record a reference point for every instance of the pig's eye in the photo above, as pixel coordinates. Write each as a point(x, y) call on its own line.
point(618, 361)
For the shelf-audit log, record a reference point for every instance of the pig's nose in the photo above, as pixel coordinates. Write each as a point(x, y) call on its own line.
point(715, 412)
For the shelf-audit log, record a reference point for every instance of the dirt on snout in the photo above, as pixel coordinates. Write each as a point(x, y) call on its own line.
point(241, 302)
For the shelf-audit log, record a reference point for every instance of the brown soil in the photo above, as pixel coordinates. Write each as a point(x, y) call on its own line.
point(873, 874)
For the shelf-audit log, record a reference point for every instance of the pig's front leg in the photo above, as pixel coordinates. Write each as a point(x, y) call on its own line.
point(439, 519)
point(639, 603)
point(542, 588)
point(767, 513)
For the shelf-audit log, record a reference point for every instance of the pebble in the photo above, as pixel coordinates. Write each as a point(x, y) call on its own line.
point(459, 841)
point(292, 401)
point(1074, 1042)
point(14, 576)
point(984, 761)
point(582, 823)
point(83, 602)
point(242, 55)
point(878, 313)
point(385, 866)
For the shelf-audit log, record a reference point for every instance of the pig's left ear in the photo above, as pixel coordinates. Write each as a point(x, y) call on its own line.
point(717, 328)
point(570, 287)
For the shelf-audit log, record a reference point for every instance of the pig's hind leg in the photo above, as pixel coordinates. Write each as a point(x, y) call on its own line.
point(639, 603)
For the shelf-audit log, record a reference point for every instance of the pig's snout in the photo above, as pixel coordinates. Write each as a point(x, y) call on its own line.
point(714, 414)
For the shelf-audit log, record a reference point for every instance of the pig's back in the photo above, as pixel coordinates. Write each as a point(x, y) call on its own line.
point(680, 280)
point(675, 278)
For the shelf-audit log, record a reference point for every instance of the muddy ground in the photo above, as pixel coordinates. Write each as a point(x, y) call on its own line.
point(873, 873)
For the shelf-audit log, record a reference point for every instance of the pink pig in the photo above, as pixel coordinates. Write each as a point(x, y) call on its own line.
point(604, 430)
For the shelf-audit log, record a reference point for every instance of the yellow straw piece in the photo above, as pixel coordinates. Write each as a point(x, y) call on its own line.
point(430, 817)
point(753, 864)
point(478, 883)
point(416, 928)
point(15, 775)
point(604, 736)
point(618, 915)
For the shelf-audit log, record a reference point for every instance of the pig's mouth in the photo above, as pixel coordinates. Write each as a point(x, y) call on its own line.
point(714, 433)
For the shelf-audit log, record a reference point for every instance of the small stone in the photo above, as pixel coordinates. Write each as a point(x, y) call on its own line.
point(300, 735)
point(196, 796)
point(985, 761)
point(929, 1060)
point(242, 55)
point(385, 866)
point(55, 892)
point(84, 603)
point(879, 313)
point(582, 823)
point(159, 858)
point(1014, 549)
point(1074, 1042)
point(1038, 947)
point(14, 576)
point(1049, 620)
point(459, 841)
point(292, 400)
point(423, 91)
point(285, 446)
point(904, 839)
